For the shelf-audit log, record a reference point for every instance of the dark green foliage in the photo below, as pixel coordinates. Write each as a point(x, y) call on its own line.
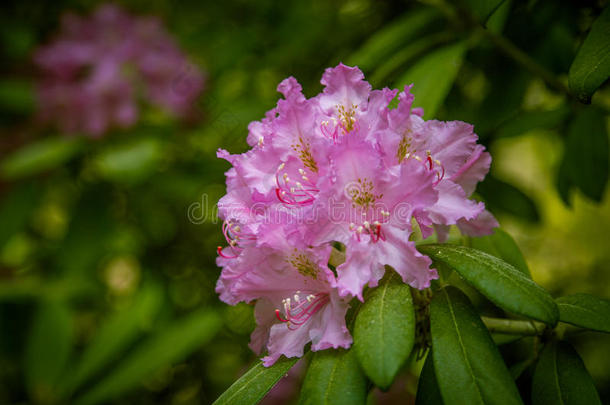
point(255, 383)
point(433, 77)
point(334, 377)
point(467, 364)
point(585, 161)
point(384, 331)
point(561, 378)
point(40, 157)
point(47, 350)
point(502, 283)
point(586, 311)
point(502, 245)
point(483, 9)
point(108, 246)
point(169, 345)
point(428, 392)
point(591, 67)
point(501, 196)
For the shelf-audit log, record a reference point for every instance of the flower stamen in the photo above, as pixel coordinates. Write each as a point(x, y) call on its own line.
point(294, 193)
point(299, 312)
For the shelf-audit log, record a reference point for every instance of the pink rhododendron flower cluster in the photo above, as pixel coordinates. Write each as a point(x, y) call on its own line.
point(97, 68)
point(339, 171)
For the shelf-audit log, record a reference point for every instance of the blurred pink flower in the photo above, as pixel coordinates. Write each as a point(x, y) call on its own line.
point(98, 68)
point(341, 167)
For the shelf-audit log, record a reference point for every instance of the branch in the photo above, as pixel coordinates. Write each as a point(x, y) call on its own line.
point(513, 326)
point(522, 58)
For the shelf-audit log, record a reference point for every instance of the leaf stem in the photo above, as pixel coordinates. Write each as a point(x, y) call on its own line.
point(513, 326)
point(505, 46)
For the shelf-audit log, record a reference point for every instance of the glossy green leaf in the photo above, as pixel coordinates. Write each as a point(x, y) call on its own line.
point(561, 378)
point(586, 311)
point(591, 66)
point(467, 364)
point(116, 334)
point(433, 76)
point(384, 330)
point(391, 37)
point(428, 392)
point(502, 196)
point(171, 344)
point(39, 156)
point(48, 350)
point(483, 9)
point(250, 388)
point(501, 245)
point(586, 152)
point(129, 162)
point(334, 378)
point(499, 281)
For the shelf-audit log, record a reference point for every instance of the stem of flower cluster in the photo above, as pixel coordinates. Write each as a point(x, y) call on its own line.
point(513, 326)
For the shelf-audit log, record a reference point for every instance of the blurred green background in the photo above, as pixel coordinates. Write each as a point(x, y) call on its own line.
point(108, 246)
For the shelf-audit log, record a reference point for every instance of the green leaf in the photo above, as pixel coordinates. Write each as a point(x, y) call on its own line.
point(384, 331)
point(467, 363)
point(130, 162)
point(502, 196)
point(16, 209)
point(586, 152)
point(503, 102)
point(501, 245)
point(388, 39)
point(16, 96)
point(591, 66)
point(250, 388)
point(334, 378)
point(499, 281)
point(496, 22)
point(519, 368)
point(388, 68)
point(433, 77)
point(586, 311)
point(561, 378)
point(531, 120)
point(483, 9)
point(39, 157)
point(172, 344)
point(503, 338)
point(87, 239)
point(428, 392)
point(116, 334)
point(47, 350)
